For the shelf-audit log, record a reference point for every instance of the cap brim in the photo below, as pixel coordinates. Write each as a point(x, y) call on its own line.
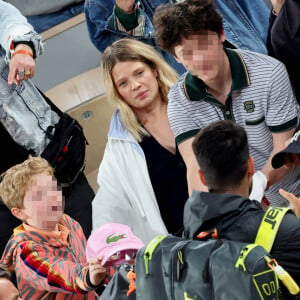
point(112, 250)
point(278, 160)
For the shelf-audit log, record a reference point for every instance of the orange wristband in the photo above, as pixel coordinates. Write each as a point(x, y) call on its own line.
point(22, 52)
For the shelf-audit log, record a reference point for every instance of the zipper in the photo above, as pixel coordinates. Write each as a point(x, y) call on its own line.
point(177, 263)
point(149, 251)
point(240, 263)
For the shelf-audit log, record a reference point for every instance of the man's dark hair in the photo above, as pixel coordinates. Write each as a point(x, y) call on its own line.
point(222, 152)
point(173, 22)
point(5, 274)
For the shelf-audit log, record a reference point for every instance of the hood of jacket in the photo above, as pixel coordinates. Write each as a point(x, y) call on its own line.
point(117, 130)
point(228, 213)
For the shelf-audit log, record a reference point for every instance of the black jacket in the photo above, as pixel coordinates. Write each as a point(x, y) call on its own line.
point(284, 40)
point(237, 218)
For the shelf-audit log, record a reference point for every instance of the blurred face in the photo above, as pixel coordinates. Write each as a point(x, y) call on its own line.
point(7, 290)
point(43, 205)
point(136, 83)
point(202, 54)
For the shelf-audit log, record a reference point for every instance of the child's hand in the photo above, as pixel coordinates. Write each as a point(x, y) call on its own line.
point(97, 271)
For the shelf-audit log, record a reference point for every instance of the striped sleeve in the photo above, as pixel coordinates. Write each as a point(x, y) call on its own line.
point(283, 110)
point(181, 122)
point(45, 272)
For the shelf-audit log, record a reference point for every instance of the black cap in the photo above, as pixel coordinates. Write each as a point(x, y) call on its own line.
point(293, 147)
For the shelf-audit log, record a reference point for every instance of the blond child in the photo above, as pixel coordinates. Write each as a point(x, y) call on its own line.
point(47, 251)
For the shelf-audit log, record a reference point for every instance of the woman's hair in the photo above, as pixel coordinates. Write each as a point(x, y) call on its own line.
point(132, 50)
point(15, 181)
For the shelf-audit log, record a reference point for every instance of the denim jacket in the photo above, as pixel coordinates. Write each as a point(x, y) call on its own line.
point(14, 27)
point(245, 24)
point(24, 113)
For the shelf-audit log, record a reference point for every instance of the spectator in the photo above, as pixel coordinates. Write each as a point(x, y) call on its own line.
point(249, 88)
point(45, 14)
point(245, 23)
point(222, 152)
point(16, 34)
point(284, 38)
point(7, 290)
point(142, 176)
point(290, 155)
point(47, 251)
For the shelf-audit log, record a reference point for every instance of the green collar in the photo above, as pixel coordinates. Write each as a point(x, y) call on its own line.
point(195, 87)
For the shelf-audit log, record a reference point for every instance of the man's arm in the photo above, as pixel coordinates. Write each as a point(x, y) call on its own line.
point(192, 167)
point(272, 176)
point(282, 114)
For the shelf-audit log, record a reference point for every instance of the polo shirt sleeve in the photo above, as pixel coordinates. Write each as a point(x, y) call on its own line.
point(282, 107)
point(181, 122)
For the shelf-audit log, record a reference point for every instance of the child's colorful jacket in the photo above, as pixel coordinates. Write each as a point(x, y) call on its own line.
point(49, 265)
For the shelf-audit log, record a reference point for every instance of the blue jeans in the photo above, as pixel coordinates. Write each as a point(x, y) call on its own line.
point(43, 22)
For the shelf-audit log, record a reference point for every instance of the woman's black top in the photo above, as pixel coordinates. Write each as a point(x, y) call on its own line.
point(167, 173)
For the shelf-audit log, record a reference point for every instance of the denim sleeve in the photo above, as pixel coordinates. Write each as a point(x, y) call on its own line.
point(98, 14)
point(245, 23)
point(14, 27)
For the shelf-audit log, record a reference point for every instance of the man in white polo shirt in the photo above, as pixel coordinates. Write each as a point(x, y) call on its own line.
point(248, 88)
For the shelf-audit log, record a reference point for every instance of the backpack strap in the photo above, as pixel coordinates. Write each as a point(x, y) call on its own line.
point(269, 226)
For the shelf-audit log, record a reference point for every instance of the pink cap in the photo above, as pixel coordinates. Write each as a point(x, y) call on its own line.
point(110, 239)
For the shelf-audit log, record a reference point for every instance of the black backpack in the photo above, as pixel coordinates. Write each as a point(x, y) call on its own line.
point(170, 267)
point(66, 150)
point(173, 268)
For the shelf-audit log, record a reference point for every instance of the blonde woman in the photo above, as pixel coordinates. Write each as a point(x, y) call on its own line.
point(142, 176)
